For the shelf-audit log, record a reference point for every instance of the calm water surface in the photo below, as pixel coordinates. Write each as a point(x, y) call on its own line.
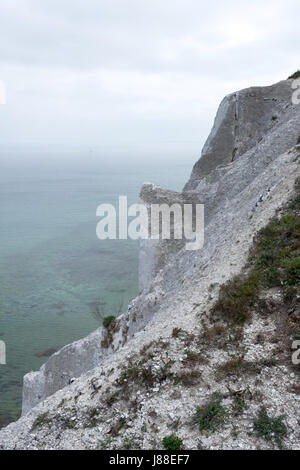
point(54, 272)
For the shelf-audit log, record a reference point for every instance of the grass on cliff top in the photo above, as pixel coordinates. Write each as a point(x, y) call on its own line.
point(274, 261)
point(295, 75)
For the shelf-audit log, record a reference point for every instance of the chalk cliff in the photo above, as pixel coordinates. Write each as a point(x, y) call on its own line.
point(247, 172)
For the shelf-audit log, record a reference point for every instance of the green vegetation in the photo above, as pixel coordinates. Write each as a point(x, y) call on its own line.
point(236, 297)
point(107, 321)
point(144, 375)
point(295, 75)
point(210, 416)
point(40, 420)
point(274, 262)
point(172, 442)
point(271, 429)
point(277, 250)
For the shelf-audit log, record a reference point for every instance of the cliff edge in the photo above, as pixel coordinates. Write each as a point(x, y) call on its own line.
point(172, 354)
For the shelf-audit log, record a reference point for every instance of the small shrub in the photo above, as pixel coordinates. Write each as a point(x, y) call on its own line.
point(210, 416)
point(172, 442)
point(107, 321)
point(271, 429)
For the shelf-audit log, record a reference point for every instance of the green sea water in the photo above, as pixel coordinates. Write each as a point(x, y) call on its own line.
point(54, 272)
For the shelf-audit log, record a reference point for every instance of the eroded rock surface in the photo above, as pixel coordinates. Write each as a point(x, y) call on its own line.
point(247, 171)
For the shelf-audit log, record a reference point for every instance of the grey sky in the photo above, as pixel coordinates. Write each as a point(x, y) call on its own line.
point(135, 72)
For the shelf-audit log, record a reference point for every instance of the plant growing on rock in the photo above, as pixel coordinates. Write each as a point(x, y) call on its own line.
point(210, 416)
point(271, 429)
point(274, 261)
point(172, 442)
point(107, 321)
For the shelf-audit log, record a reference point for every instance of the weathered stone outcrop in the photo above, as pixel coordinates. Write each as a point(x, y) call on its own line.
point(243, 120)
point(244, 163)
point(254, 125)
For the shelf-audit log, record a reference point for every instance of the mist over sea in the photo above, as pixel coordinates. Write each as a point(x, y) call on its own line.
point(54, 272)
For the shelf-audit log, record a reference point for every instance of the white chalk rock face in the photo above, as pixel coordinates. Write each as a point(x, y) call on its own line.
point(244, 161)
point(258, 123)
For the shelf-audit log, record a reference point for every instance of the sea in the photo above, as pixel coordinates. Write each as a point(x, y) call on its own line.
point(56, 277)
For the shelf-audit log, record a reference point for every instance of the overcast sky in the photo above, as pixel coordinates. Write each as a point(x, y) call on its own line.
point(135, 72)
